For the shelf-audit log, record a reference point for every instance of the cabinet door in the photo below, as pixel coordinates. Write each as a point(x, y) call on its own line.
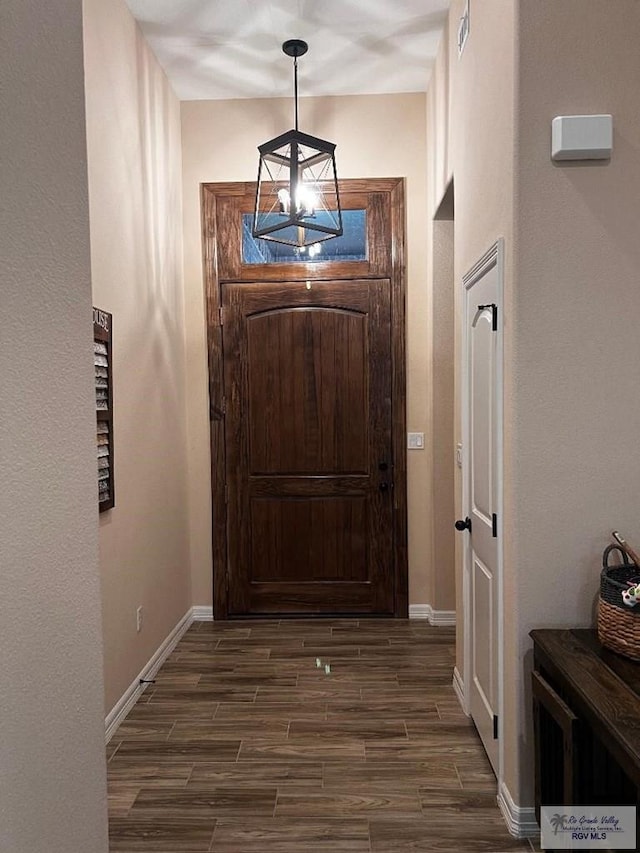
point(556, 728)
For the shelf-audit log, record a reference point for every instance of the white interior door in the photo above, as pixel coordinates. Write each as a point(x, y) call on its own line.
point(482, 494)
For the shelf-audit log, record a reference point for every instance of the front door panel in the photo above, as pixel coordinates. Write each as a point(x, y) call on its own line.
point(308, 387)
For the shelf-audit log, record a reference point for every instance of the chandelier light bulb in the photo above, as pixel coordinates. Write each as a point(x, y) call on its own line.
point(285, 201)
point(306, 201)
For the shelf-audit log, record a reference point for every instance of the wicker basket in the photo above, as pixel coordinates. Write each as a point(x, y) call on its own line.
point(618, 625)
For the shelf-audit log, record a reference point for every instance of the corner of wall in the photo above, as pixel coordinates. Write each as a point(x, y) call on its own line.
point(135, 193)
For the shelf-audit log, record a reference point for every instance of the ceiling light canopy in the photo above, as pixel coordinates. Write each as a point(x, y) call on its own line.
point(297, 198)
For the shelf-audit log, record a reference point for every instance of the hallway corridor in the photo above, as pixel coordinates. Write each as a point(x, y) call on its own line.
point(246, 745)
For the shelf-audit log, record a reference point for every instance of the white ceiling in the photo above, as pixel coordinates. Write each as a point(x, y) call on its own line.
point(233, 48)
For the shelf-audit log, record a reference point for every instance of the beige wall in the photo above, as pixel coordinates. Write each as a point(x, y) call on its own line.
point(481, 160)
point(441, 385)
point(377, 136)
point(470, 128)
point(571, 298)
point(133, 129)
point(52, 764)
point(576, 352)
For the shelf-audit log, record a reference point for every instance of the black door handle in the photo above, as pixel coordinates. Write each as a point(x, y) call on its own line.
point(464, 525)
point(384, 487)
point(383, 466)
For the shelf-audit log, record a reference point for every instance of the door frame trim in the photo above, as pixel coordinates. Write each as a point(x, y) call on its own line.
point(493, 257)
point(210, 192)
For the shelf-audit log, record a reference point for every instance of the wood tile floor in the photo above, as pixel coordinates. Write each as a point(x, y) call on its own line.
point(244, 745)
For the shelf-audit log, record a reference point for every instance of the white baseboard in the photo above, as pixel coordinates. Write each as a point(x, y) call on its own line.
point(521, 822)
point(434, 617)
point(443, 617)
point(131, 695)
point(202, 613)
point(458, 687)
point(419, 611)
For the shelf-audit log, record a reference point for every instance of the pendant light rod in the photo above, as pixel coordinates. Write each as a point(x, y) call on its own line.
point(295, 48)
point(295, 89)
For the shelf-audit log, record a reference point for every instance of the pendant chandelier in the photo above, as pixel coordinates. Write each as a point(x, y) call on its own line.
point(297, 199)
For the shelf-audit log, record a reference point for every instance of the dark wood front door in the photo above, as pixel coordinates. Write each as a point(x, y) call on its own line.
point(308, 386)
point(307, 410)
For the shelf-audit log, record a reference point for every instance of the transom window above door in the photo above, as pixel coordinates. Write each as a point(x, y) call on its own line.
point(362, 251)
point(351, 246)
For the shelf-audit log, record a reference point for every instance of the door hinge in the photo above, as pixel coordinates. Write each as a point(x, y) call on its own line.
point(494, 526)
point(221, 316)
point(495, 727)
point(494, 314)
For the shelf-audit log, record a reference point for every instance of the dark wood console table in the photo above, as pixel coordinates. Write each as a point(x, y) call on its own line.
point(586, 704)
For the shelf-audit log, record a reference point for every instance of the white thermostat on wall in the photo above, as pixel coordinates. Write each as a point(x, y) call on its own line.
point(582, 137)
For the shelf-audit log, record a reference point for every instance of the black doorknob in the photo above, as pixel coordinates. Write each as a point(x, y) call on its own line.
point(464, 525)
point(384, 487)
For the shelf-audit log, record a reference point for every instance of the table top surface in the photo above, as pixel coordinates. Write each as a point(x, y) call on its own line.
point(606, 684)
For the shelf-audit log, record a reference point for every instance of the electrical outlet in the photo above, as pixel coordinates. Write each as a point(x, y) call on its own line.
point(139, 619)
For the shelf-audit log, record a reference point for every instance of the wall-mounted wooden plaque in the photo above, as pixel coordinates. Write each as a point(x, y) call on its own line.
point(102, 323)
